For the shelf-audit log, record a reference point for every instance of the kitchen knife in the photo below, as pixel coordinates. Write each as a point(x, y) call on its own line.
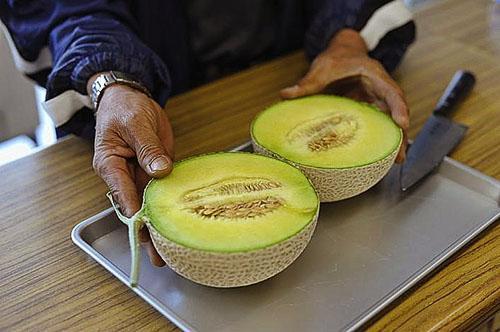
point(439, 135)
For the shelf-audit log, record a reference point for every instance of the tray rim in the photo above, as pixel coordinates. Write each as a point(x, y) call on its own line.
point(359, 320)
point(121, 276)
point(418, 276)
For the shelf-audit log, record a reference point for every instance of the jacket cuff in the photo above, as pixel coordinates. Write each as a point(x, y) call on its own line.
point(149, 72)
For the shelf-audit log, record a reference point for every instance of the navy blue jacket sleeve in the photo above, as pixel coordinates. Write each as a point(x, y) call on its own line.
point(98, 35)
point(84, 38)
point(386, 26)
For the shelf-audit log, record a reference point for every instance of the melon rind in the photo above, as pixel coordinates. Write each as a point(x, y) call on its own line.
point(335, 184)
point(225, 270)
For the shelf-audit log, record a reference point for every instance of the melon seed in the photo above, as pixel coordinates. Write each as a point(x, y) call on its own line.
point(324, 133)
point(239, 210)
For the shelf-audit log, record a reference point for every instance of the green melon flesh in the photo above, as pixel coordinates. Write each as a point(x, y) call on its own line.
point(230, 202)
point(326, 132)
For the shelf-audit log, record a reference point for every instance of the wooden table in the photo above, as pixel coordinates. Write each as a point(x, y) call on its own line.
point(47, 283)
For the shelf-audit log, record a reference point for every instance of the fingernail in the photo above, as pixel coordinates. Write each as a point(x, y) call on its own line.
point(159, 164)
point(292, 88)
point(288, 92)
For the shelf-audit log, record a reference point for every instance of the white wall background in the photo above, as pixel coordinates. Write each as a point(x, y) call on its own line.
point(18, 113)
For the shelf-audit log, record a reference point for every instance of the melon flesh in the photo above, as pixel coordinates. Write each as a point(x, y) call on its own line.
point(230, 202)
point(326, 132)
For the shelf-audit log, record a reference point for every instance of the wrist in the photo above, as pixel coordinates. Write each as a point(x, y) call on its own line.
point(99, 83)
point(120, 98)
point(119, 91)
point(347, 42)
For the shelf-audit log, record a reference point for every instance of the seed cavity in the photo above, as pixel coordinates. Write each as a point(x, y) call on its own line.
point(231, 186)
point(234, 198)
point(324, 133)
point(239, 210)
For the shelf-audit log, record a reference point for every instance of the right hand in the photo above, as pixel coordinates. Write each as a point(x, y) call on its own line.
point(134, 142)
point(346, 68)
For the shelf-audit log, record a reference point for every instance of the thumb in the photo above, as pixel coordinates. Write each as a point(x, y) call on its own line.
point(307, 86)
point(151, 155)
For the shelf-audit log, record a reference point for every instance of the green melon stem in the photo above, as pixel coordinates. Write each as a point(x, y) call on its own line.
point(134, 224)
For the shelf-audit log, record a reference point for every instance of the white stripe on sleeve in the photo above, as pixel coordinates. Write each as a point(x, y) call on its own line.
point(62, 107)
point(43, 61)
point(388, 17)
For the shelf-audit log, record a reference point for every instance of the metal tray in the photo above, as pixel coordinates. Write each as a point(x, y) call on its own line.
point(366, 251)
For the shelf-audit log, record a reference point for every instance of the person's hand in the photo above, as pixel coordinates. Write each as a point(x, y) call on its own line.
point(346, 69)
point(133, 143)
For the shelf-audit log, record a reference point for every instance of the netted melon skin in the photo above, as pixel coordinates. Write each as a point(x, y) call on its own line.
point(342, 183)
point(226, 270)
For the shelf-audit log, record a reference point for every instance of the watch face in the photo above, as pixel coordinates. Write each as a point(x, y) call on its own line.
point(98, 87)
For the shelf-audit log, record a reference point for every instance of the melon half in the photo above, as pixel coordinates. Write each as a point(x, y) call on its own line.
point(343, 146)
point(227, 219)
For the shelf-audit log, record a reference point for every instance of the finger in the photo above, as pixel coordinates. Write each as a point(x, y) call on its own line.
point(141, 179)
point(144, 234)
point(116, 174)
point(398, 109)
point(311, 83)
point(292, 92)
point(389, 91)
point(167, 136)
point(145, 239)
point(359, 93)
point(151, 155)
point(381, 105)
point(399, 113)
point(400, 158)
point(373, 98)
point(154, 257)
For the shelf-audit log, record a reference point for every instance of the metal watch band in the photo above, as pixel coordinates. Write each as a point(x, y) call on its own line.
point(109, 78)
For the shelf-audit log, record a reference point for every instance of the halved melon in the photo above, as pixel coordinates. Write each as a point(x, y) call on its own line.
point(343, 146)
point(227, 219)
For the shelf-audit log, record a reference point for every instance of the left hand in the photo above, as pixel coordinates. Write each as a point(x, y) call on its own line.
point(346, 69)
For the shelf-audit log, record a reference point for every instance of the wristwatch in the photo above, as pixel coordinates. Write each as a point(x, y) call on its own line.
point(109, 78)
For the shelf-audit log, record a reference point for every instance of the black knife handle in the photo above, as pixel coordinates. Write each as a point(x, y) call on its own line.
point(460, 85)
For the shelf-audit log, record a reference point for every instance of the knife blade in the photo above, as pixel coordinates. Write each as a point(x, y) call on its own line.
point(439, 135)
